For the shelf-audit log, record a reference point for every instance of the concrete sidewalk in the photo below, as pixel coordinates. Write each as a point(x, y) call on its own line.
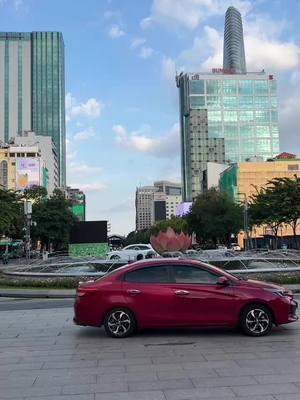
point(66, 293)
point(37, 293)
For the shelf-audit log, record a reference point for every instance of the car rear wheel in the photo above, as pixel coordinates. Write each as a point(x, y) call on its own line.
point(115, 257)
point(256, 320)
point(119, 323)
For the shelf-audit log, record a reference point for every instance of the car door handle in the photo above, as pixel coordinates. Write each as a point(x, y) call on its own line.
point(133, 291)
point(182, 292)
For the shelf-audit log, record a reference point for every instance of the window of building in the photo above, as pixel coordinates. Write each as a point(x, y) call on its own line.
point(232, 146)
point(273, 86)
point(197, 87)
point(274, 116)
point(293, 167)
point(213, 102)
point(246, 116)
point(214, 116)
point(229, 87)
point(245, 86)
point(230, 131)
point(230, 116)
point(230, 102)
point(263, 145)
point(247, 131)
point(262, 102)
point(262, 131)
point(273, 101)
point(213, 86)
point(261, 86)
point(246, 102)
point(215, 131)
point(249, 145)
point(262, 117)
point(197, 101)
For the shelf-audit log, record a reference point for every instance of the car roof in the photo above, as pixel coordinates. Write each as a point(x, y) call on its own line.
point(169, 260)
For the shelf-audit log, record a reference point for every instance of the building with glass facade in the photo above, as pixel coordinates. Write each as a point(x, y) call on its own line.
point(233, 50)
point(225, 118)
point(32, 88)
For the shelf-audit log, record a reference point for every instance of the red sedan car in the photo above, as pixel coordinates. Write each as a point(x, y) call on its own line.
point(165, 293)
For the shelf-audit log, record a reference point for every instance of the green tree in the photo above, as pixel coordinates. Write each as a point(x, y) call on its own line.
point(277, 203)
point(178, 224)
point(134, 237)
point(54, 220)
point(35, 194)
point(11, 217)
point(215, 217)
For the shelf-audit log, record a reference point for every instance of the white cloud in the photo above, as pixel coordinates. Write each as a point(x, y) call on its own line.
point(17, 4)
point(85, 134)
point(115, 31)
point(289, 116)
point(145, 52)
point(110, 14)
point(164, 146)
point(89, 187)
point(71, 154)
point(137, 42)
point(262, 51)
point(168, 69)
point(83, 169)
point(91, 108)
point(189, 13)
point(146, 23)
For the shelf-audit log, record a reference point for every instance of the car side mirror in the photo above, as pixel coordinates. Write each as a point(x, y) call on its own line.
point(223, 280)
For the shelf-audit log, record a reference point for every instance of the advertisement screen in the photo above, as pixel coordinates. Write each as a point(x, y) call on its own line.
point(27, 173)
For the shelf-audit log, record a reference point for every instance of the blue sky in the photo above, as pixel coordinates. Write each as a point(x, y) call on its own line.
point(122, 103)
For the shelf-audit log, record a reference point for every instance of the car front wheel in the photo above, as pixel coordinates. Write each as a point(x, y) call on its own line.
point(119, 323)
point(256, 320)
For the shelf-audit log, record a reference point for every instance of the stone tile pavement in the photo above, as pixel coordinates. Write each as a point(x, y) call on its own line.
point(43, 356)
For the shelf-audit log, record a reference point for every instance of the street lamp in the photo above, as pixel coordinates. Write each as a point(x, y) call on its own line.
point(245, 202)
point(27, 214)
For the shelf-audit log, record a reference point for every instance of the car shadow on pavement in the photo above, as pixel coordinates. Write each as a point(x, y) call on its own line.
point(187, 333)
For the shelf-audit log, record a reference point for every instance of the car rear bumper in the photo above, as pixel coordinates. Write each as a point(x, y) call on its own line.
point(76, 322)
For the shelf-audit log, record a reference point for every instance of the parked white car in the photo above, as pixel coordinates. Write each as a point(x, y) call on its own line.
point(133, 252)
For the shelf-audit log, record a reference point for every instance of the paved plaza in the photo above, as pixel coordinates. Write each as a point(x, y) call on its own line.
point(44, 356)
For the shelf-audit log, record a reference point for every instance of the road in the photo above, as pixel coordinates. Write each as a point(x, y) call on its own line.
point(9, 304)
point(44, 356)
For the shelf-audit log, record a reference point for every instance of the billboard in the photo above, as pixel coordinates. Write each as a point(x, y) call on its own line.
point(27, 173)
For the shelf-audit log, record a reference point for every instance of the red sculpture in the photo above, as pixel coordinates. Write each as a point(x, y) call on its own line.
point(170, 241)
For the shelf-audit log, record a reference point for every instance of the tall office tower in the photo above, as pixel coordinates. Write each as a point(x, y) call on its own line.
point(225, 118)
point(227, 115)
point(234, 52)
point(156, 203)
point(32, 88)
point(144, 197)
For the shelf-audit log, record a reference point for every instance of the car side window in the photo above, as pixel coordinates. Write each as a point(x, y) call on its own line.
point(189, 274)
point(158, 274)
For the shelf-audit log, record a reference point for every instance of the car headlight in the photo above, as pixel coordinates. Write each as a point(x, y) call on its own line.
point(281, 293)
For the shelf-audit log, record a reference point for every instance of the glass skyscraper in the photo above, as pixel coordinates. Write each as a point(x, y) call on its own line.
point(226, 116)
point(32, 88)
point(234, 52)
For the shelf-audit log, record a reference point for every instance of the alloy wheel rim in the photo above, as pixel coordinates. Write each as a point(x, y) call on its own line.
point(257, 321)
point(119, 323)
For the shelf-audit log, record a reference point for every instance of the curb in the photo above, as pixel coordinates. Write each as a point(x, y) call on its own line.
point(37, 296)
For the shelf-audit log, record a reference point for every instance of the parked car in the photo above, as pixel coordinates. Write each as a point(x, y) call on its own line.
point(132, 252)
point(235, 247)
point(167, 293)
